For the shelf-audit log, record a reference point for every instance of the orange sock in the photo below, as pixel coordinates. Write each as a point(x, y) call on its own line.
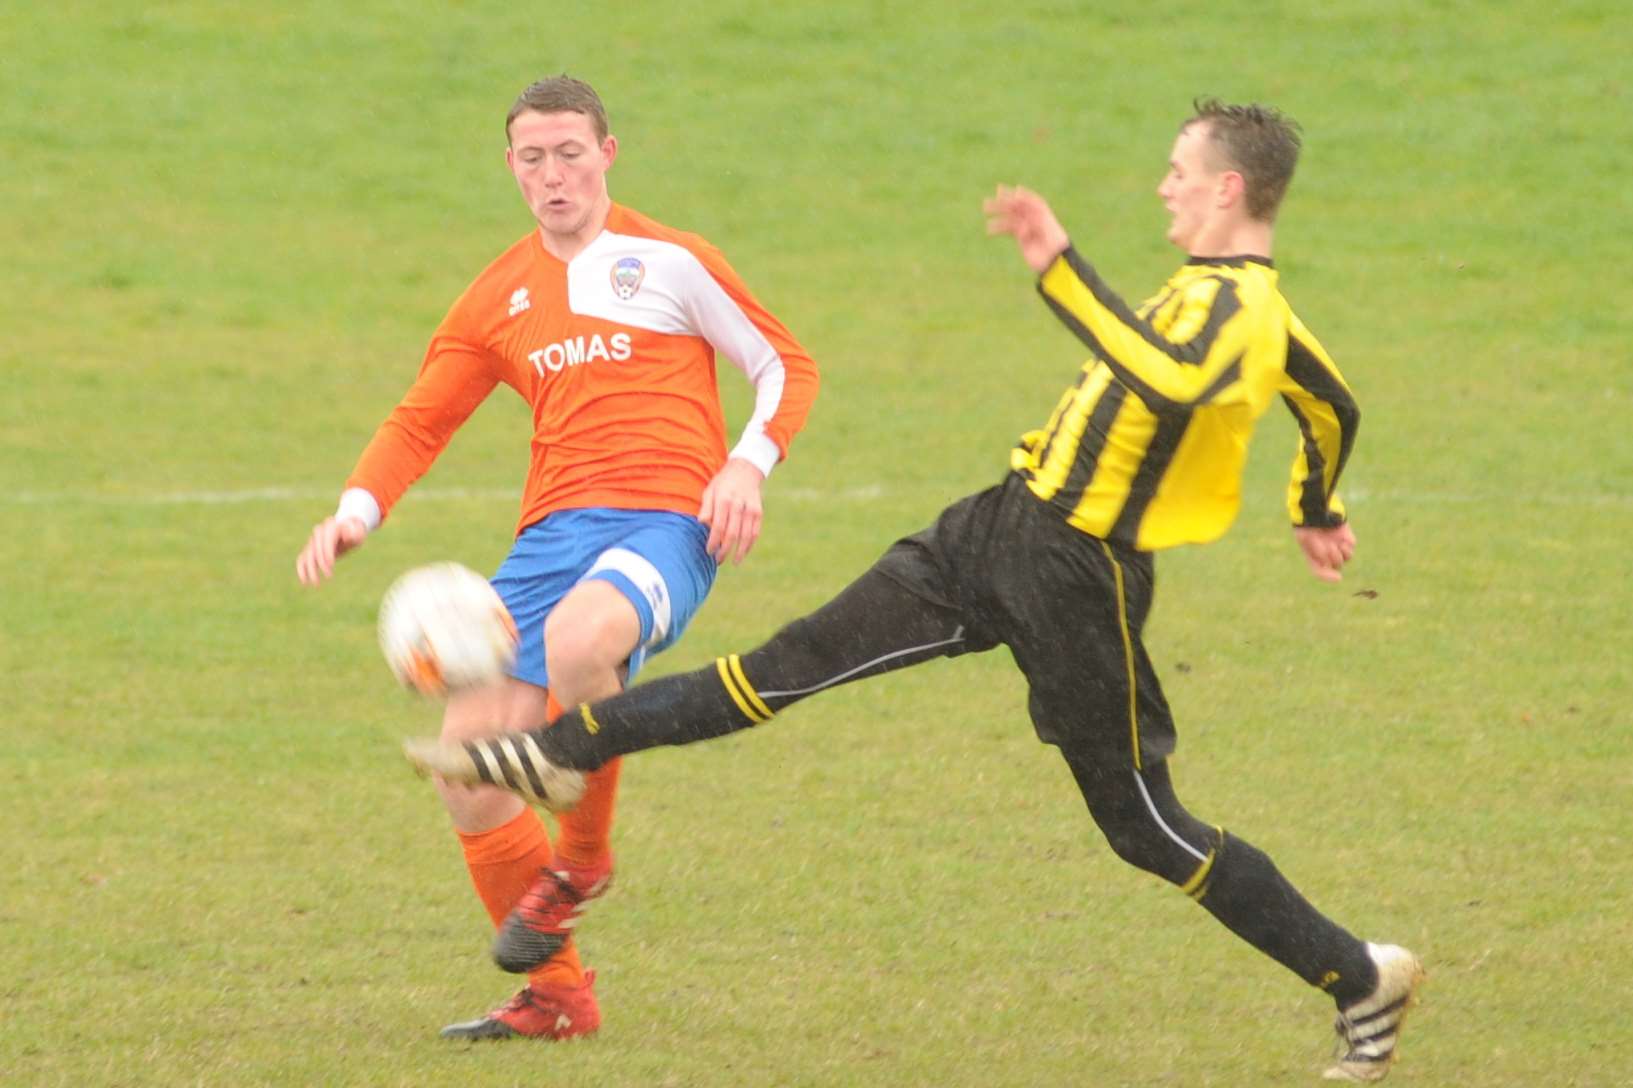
point(562, 969)
point(586, 831)
point(503, 861)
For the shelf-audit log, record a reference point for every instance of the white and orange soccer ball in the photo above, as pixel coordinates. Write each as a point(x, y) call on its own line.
point(444, 629)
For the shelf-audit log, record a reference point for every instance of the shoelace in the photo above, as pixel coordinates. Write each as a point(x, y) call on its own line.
point(521, 999)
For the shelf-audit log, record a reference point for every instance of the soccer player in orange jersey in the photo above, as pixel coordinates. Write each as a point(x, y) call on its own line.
point(608, 324)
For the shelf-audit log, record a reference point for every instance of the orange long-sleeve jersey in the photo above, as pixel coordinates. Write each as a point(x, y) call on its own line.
point(615, 352)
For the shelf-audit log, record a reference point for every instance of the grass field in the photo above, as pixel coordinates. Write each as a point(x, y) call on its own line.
point(229, 230)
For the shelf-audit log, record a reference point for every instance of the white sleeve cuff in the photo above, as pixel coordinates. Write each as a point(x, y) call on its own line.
point(359, 504)
point(759, 451)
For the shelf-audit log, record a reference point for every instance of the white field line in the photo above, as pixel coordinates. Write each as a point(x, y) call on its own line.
point(238, 496)
point(862, 493)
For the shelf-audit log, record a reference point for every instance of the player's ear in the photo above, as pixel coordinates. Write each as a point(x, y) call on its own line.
point(609, 150)
point(1232, 189)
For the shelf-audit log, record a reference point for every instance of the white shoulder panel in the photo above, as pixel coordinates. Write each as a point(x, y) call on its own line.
point(641, 282)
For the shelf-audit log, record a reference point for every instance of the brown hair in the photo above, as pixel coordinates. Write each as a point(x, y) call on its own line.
point(561, 94)
point(1258, 142)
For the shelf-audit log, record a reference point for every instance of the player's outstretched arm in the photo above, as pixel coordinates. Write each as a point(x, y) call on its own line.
point(1027, 217)
point(331, 538)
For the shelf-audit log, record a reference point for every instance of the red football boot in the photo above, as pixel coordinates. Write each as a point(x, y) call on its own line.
point(541, 922)
point(537, 1012)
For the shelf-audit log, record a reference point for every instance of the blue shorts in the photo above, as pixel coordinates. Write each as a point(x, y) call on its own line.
point(659, 560)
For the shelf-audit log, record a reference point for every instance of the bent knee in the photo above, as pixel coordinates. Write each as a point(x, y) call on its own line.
point(1170, 846)
point(1137, 848)
point(594, 627)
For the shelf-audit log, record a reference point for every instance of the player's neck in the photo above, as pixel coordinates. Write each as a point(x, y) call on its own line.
point(565, 245)
point(1238, 238)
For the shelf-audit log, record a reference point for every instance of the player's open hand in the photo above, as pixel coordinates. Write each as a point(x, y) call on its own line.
point(1025, 215)
point(731, 509)
point(331, 538)
point(1326, 550)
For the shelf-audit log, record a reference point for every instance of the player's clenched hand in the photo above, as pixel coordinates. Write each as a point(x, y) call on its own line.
point(1326, 550)
point(731, 510)
point(1020, 212)
point(331, 538)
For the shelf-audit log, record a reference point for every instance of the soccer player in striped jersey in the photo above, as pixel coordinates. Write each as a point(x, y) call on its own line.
point(1143, 452)
point(608, 324)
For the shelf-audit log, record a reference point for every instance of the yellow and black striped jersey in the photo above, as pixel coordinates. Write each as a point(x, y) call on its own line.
point(1147, 448)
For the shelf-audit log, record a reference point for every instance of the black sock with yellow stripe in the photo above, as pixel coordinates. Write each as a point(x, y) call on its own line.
point(708, 702)
point(1246, 892)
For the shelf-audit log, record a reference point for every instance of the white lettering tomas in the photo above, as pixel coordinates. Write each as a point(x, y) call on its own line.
point(578, 350)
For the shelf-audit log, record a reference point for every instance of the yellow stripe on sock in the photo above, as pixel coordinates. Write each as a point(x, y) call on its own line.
point(736, 664)
point(591, 726)
point(1197, 886)
point(731, 689)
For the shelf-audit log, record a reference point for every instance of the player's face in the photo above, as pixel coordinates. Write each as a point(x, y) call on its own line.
point(1190, 190)
point(562, 170)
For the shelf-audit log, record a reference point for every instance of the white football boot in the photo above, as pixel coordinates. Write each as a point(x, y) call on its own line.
point(511, 761)
point(1371, 1027)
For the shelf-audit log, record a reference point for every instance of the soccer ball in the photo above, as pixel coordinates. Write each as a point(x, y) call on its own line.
point(444, 629)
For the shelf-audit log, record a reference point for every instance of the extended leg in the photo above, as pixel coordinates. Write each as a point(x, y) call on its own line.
point(873, 626)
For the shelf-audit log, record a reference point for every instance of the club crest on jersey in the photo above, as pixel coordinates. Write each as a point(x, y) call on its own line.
point(627, 274)
point(519, 301)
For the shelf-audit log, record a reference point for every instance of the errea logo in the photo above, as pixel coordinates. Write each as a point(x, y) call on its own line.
point(519, 301)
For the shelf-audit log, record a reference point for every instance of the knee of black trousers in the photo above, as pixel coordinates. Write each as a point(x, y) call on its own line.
point(1146, 847)
point(1141, 818)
